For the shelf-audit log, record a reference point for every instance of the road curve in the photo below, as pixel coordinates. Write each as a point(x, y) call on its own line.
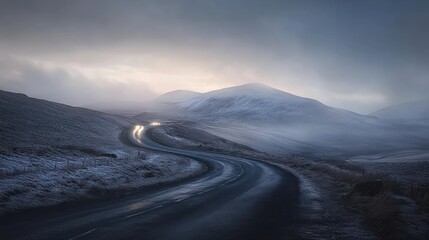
point(235, 199)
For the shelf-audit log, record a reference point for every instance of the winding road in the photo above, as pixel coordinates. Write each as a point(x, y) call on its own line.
point(235, 199)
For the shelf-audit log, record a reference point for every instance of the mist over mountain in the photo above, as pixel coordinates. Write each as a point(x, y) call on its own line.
point(177, 96)
point(186, 119)
point(253, 103)
point(269, 119)
point(257, 115)
point(161, 103)
point(125, 108)
point(417, 110)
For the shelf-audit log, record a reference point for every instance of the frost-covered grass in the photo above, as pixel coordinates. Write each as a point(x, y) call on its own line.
point(22, 160)
point(52, 153)
point(188, 137)
point(420, 193)
point(381, 213)
point(412, 177)
point(32, 179)
point(395, 213)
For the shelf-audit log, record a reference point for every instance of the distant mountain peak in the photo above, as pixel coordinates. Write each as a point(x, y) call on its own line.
point(179, 91)
point(252, 86)
point(176, 96)
point(255, 85)
point(254, 89)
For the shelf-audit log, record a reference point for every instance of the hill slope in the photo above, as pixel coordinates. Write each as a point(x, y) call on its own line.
point(52, 153)
point(26, 121)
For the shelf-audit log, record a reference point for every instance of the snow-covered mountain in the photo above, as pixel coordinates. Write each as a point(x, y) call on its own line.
point(269, 119)
point(256, 103)
point(418, 110)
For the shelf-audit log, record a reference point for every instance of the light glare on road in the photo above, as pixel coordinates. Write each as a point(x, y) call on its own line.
point(138, 130)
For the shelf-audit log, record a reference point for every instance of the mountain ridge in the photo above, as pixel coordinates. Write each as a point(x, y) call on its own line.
point(176, 95)
point(256, 102)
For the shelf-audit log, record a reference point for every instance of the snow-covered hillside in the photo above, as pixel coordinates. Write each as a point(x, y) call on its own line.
point(271, 120)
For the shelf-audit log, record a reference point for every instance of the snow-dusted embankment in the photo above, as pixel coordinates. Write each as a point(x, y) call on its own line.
point(50, 187)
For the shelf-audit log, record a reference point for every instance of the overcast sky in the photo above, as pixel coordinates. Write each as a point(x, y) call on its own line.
point(358, 55)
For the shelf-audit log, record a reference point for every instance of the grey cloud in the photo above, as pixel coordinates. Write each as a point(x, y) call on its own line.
point(65, 85)
point(354, 47)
